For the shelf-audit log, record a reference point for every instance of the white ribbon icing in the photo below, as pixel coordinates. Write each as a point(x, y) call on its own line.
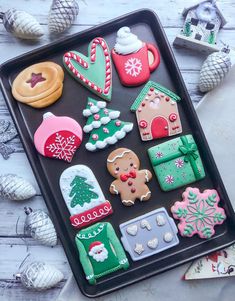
point(127, 42)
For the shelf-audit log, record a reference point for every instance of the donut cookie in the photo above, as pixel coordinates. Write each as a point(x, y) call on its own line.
point(39, 85)
point(123, 164)
point(100, 251)
point(134, 60)
point(157, 112)
point(83, 196)
point(176, 162)
point(198, 212)
point(143, 236)
point(58, 137)
point(103, 125)
point(94, 71)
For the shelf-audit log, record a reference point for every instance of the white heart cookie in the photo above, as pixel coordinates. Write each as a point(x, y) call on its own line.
point(152, 243)
point(145, 224)
point(132, 230)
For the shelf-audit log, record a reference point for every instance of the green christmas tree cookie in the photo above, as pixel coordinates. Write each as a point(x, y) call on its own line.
point(103, 125)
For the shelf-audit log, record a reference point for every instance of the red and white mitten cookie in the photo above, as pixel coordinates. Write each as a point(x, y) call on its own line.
point(133, 59)
point(123, 164)
point(58, 137)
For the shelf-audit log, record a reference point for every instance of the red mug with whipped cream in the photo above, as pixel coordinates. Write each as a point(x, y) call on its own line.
point(131, 58)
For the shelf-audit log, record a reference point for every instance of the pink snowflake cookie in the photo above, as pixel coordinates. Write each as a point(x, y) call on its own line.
point(198, 213)
point(58, 137)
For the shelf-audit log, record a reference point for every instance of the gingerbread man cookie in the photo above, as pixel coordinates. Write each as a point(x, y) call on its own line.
point(123, 164)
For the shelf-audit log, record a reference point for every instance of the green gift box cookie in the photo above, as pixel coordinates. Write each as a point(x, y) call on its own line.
point(176, 162)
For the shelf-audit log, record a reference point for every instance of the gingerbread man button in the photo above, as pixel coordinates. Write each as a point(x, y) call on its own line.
point(123, 164)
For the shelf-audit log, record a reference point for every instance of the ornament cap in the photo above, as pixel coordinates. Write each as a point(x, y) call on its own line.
point(47, 115)
point(17, 276)
point(28, 210)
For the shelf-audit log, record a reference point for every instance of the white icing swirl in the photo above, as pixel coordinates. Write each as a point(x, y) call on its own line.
point(127, 42)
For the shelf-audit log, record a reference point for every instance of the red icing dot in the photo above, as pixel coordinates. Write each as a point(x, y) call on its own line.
point(143, 124)
point(151, 89)
point(96, 116)
point(118, 123)
point(133, 190)
point(143, 104)
point(130, 183)
point(173, 117)
point(167, 98)
point(95, 137)
point(90, 104)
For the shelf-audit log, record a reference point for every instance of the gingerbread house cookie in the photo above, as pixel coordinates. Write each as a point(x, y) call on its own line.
point(157, 112)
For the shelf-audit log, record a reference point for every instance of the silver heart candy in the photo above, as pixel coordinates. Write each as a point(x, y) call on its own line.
point(152, 243)
point(168, 236)
point(160, 220)
point(132, 230)
point(145, 224)
point(139, 248)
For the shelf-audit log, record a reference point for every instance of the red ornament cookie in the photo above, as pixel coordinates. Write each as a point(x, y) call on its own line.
point(58, 137)
point(133, 59)
point(123, 164)
point(157, 112)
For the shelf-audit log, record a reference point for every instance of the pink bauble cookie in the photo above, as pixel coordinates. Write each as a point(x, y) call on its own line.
point(198, 213)
point(58, 137)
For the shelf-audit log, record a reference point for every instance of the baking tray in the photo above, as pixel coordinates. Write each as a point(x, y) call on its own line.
point(146, 25)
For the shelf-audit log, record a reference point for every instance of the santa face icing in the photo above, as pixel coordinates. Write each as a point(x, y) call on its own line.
point(98, 251)
point(58, 137)
point(134, 60)
point(123, 164)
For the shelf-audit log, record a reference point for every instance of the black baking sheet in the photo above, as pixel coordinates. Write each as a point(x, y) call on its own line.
point(146, 25)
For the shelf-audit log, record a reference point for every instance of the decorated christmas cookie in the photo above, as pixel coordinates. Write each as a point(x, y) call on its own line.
point(157, 112)
point(83, 196)
point(94, 71)
point(123, 164)
point(103, 125)
point(133, 59)
point(143, 236)
point(58, 137)
point(100, 251)
point(176, 162)
point(198, 212)
point(39, 85)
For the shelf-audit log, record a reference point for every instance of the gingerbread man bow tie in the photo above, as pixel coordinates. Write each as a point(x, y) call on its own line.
point(125, 176)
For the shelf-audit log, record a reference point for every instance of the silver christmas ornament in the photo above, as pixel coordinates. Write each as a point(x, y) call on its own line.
point(62, 15)
point(39, 276)
point(7, 133)
point(15, 188)
point(39, 225)
point(213, 70)
point(21, 24)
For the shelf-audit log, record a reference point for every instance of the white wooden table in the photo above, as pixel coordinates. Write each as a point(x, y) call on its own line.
point(12, 248)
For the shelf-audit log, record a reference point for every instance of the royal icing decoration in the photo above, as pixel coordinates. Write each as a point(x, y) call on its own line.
point(156, 116)
point(123, 164)
point(39, 85)
point(131, 58)
point(83, 196)
point(180, 163)
point(100, 251)
point(148, 236)
point(103, 125)
point(198, 212)
point(94, 71)
point(58, 137)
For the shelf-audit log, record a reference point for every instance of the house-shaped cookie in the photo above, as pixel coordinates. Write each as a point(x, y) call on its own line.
point(157, 112)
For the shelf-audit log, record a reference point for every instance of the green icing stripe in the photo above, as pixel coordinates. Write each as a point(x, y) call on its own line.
point(145, 90)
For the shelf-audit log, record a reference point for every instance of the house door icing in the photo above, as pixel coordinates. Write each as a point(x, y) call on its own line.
point(159, 128)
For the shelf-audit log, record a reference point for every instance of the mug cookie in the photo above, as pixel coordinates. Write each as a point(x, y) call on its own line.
point(39, 85)
point(83, 196)
point(123, 164)
point(176, 162)
point(58, 137)
point(198, 212)
point(157, 112)
point(100, 251)
point(94, 71)
point(103, 125)
point(133, 59)
point(143, 236)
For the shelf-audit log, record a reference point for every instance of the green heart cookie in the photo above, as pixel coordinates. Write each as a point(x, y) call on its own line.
point(94, 71)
